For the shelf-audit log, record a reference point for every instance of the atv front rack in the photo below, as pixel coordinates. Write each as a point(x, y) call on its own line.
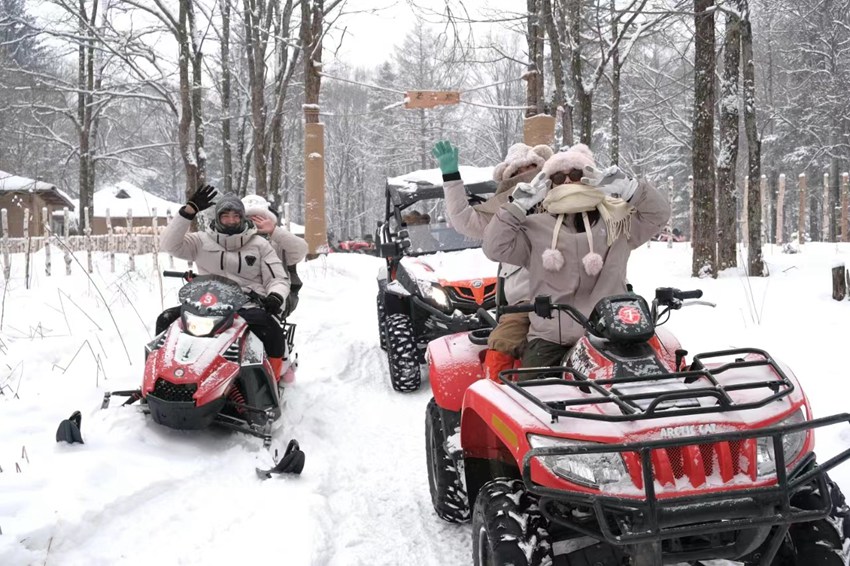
point(699, 382)
point(647, 518)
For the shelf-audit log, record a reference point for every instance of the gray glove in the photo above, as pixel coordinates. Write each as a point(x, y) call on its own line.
point(611, 181)
point(527, 195)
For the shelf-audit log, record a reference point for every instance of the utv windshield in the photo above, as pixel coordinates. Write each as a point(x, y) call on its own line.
point(429, 230)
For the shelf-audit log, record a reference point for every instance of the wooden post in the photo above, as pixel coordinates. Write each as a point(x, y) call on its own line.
point(27, 258)
point(845, 203)
point(110, 242)
point(170, 257)
point(839, 283)
point(538, 130)
point(315, 231)
point(7, 267)
point(801, 219)
point(46, 231)
point(745, 220)
point(780, 210)
point(691, 210)
point(155, 246)
point(764, 212)
point(131, 240)
point(88, 240)
point(826, 209)
point(66, 233)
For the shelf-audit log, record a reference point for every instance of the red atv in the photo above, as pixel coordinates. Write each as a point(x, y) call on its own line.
point(207, 369)
point(628, 453)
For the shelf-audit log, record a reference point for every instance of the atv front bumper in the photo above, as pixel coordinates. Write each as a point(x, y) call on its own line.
point(440, 324)
point(646, 518)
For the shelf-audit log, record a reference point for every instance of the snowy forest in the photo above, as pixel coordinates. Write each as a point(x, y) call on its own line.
point(696, 96)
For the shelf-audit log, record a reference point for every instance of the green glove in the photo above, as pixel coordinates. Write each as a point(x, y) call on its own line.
point(446, 156)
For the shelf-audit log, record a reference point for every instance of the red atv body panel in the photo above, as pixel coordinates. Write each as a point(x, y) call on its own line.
point(454, 363)
point(496, 421)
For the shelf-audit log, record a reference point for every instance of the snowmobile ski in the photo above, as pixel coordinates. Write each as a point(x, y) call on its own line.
point(291, 463)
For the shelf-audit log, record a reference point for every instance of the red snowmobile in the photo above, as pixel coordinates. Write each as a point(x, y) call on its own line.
point(627, 453)
point(206, 368)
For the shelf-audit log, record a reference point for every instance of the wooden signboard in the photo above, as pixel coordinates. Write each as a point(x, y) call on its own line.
point(430, 98)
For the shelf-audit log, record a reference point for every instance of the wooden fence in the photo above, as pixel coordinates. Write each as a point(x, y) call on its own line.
point(130, 240)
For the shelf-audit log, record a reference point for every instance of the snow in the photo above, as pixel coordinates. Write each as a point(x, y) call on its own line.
point(139, 201)
point(435, 176)
point(137, 493)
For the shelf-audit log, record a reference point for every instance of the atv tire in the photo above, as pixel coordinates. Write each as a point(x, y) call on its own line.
point(816, 543)
point(506, 524)
point(825, 542)
point(382, 316)
point(402, 354)
point(448, 494)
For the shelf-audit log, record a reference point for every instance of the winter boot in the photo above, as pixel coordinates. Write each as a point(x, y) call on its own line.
point(277, 366)
point(494, 362)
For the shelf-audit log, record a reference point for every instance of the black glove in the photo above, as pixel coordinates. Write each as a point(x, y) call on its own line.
point(202, 198)
point(272, 303)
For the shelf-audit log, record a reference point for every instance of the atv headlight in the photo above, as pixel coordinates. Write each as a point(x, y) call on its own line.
point(792, 444)
point(200, 325)
point(591, 470)
point(435, 295)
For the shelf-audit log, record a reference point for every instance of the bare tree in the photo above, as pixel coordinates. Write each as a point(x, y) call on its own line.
point(755, 261)
point(704, 209)
point(728, 159)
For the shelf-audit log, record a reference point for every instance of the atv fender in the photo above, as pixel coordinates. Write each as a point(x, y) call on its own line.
point(454, 364)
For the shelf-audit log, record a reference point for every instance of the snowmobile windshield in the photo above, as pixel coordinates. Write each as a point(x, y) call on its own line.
point(212, 295)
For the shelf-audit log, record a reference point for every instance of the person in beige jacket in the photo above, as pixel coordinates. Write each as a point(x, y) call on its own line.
point(290, 248)
point(522, 163)
point(232, 248)
point(576, 251)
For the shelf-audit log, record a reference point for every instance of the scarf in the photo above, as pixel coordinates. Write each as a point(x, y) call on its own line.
point(575, 198)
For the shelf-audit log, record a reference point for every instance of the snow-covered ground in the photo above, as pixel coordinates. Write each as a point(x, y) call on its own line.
point(137, 493)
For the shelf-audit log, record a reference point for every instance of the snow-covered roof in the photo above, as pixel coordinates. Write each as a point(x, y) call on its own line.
point(123, 195)
point(434, 177)
point(51, 194)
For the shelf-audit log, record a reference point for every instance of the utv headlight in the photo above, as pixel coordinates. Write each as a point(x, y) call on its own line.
point(792, 444)
point(200, 325)
point(591, 470)
point(435, 295)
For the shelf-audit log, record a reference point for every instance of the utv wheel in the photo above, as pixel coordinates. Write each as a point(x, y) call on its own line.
point(448, 493)
point(401, 353)
point(381, 317)
point(507, 528)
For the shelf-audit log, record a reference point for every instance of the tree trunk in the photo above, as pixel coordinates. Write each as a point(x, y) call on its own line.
point(255, 45)
point(226, 136)
point(535, 39)
point(559, 100)
point(727, 235)
point(567, 125)
point(197, 95)
point(583, 97)
point(705, 214)
point(284, 74)
point(615, 91)
point(755, 259)
point(184, 128)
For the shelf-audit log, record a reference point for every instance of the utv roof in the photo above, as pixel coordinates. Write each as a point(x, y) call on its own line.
point(428, 183)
